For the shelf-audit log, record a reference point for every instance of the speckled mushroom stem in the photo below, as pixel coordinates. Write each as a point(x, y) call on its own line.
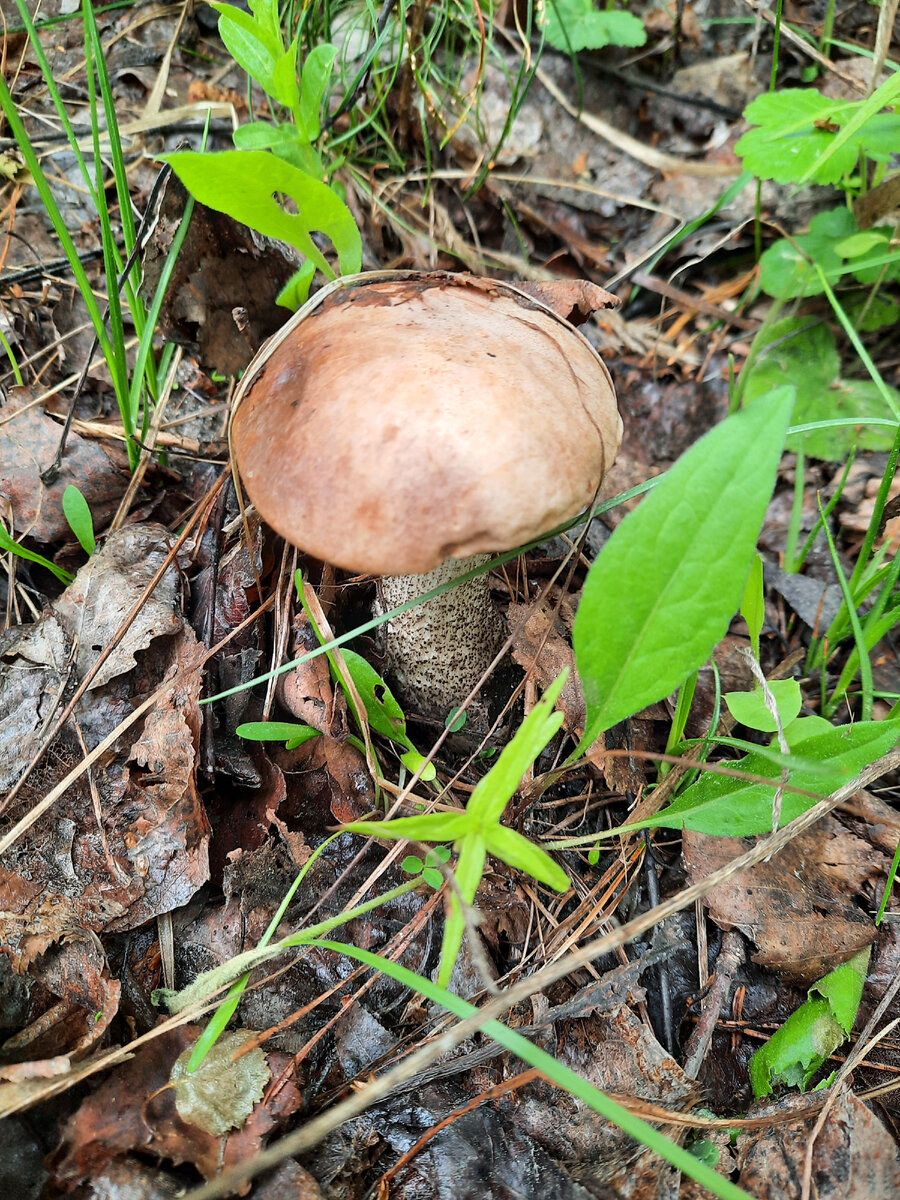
point(437, 651)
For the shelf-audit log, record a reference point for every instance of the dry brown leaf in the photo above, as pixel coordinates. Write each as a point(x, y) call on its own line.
point(798, 908)
point(855, 1158)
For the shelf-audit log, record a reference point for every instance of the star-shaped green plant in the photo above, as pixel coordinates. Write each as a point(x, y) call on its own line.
point(477, 831)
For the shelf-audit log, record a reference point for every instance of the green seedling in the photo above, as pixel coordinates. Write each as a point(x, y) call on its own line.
point(796, 1051)
point(573, 25)
point(78, 514)
point(429, 867)
point(277, 159)
point(477, 832)
point(837, 414)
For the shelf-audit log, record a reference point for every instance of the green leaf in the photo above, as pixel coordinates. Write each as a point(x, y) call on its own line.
point(248, 44)
point(244, 183)
point(753, 604)
point(808, 357)
point(517, 851)
point(750, 707)
point(412, 864)
point(493, 792)
point(786, 268)
point(469, 870)
point(843, 988)
point(433, 878)
point(385, 714)
point(413, 760)
point(430, 827)
point(728, 807)
point(276, 731)
point(313, 84)
point(789, 148)
point(285, 88)
point(78, 514)
point(11, 546)
point(572, 25)
point(794, 1053)
point(681, 559)
point(797, 1050)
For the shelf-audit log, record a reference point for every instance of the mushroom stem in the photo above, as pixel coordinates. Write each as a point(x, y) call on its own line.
point(437, 651)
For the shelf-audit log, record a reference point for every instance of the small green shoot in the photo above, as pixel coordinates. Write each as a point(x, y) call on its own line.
point(78, 514)
point(796, 1051)
point(291, 733)
point(430, 868)
point(477, 832)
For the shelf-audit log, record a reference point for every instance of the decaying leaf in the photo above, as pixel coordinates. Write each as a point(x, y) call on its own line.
point(221, 1093)
point(798, 907)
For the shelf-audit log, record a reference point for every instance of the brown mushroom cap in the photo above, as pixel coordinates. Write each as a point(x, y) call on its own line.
point(406, 421)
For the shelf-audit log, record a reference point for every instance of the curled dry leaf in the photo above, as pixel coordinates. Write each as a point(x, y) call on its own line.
point(28, 443)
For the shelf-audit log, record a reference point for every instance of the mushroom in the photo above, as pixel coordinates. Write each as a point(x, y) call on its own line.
point(407, 425)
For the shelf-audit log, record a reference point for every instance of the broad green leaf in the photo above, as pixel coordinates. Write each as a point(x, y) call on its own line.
point(247, 43)
point(517, 851)
point(788, 146)
point(808, 357)
point(313, 84)
point(786, 271)
point(668, 581)
point(385, 714)
point(572, 25)
point(78, 514)
point(493, 792)
point(412, 864)
point(244, 184)
point(797, 1050)
point(276, 731)
point(728, 807)
point(750, 707)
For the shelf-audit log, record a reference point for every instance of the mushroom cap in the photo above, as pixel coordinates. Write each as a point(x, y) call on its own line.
point(398, 423)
